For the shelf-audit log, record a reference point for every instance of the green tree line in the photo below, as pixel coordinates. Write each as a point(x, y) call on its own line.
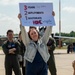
point(71, 34)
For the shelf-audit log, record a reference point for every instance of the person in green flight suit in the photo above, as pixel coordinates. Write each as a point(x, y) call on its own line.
point(11, 50)
point(51, 62)
point(51, 47)
point(22, 51)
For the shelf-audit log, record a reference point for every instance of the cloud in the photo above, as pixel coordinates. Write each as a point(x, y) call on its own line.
point(5, 19)
point(14, 2)
point(10, 2)
point(69, 9)
point(7, 22)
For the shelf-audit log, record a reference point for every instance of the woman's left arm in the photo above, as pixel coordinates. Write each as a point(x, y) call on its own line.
point(47, 33)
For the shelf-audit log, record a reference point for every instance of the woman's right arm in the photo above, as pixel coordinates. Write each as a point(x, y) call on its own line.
point(24, 34)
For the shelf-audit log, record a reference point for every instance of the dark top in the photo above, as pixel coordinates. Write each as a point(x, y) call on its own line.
point(22, 48)
point(9, 45)
point(38, 57)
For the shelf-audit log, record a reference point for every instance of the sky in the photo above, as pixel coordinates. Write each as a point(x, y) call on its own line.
point(9, 10)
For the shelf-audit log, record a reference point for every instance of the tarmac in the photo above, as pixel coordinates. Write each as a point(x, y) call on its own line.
point(62, 59)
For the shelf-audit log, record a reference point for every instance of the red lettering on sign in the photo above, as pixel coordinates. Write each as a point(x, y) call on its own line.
point(25, 7)
point(37, 22)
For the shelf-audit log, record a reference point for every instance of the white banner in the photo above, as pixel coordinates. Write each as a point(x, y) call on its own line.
point(37, 14)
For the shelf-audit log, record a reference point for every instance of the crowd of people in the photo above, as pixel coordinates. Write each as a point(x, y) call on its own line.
point(31, 52)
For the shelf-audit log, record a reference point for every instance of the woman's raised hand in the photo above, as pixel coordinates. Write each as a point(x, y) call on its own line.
point(19, 16)
point(53, 13)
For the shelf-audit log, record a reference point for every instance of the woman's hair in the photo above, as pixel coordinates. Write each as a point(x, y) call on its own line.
point(30, 30)
point(32, 27)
